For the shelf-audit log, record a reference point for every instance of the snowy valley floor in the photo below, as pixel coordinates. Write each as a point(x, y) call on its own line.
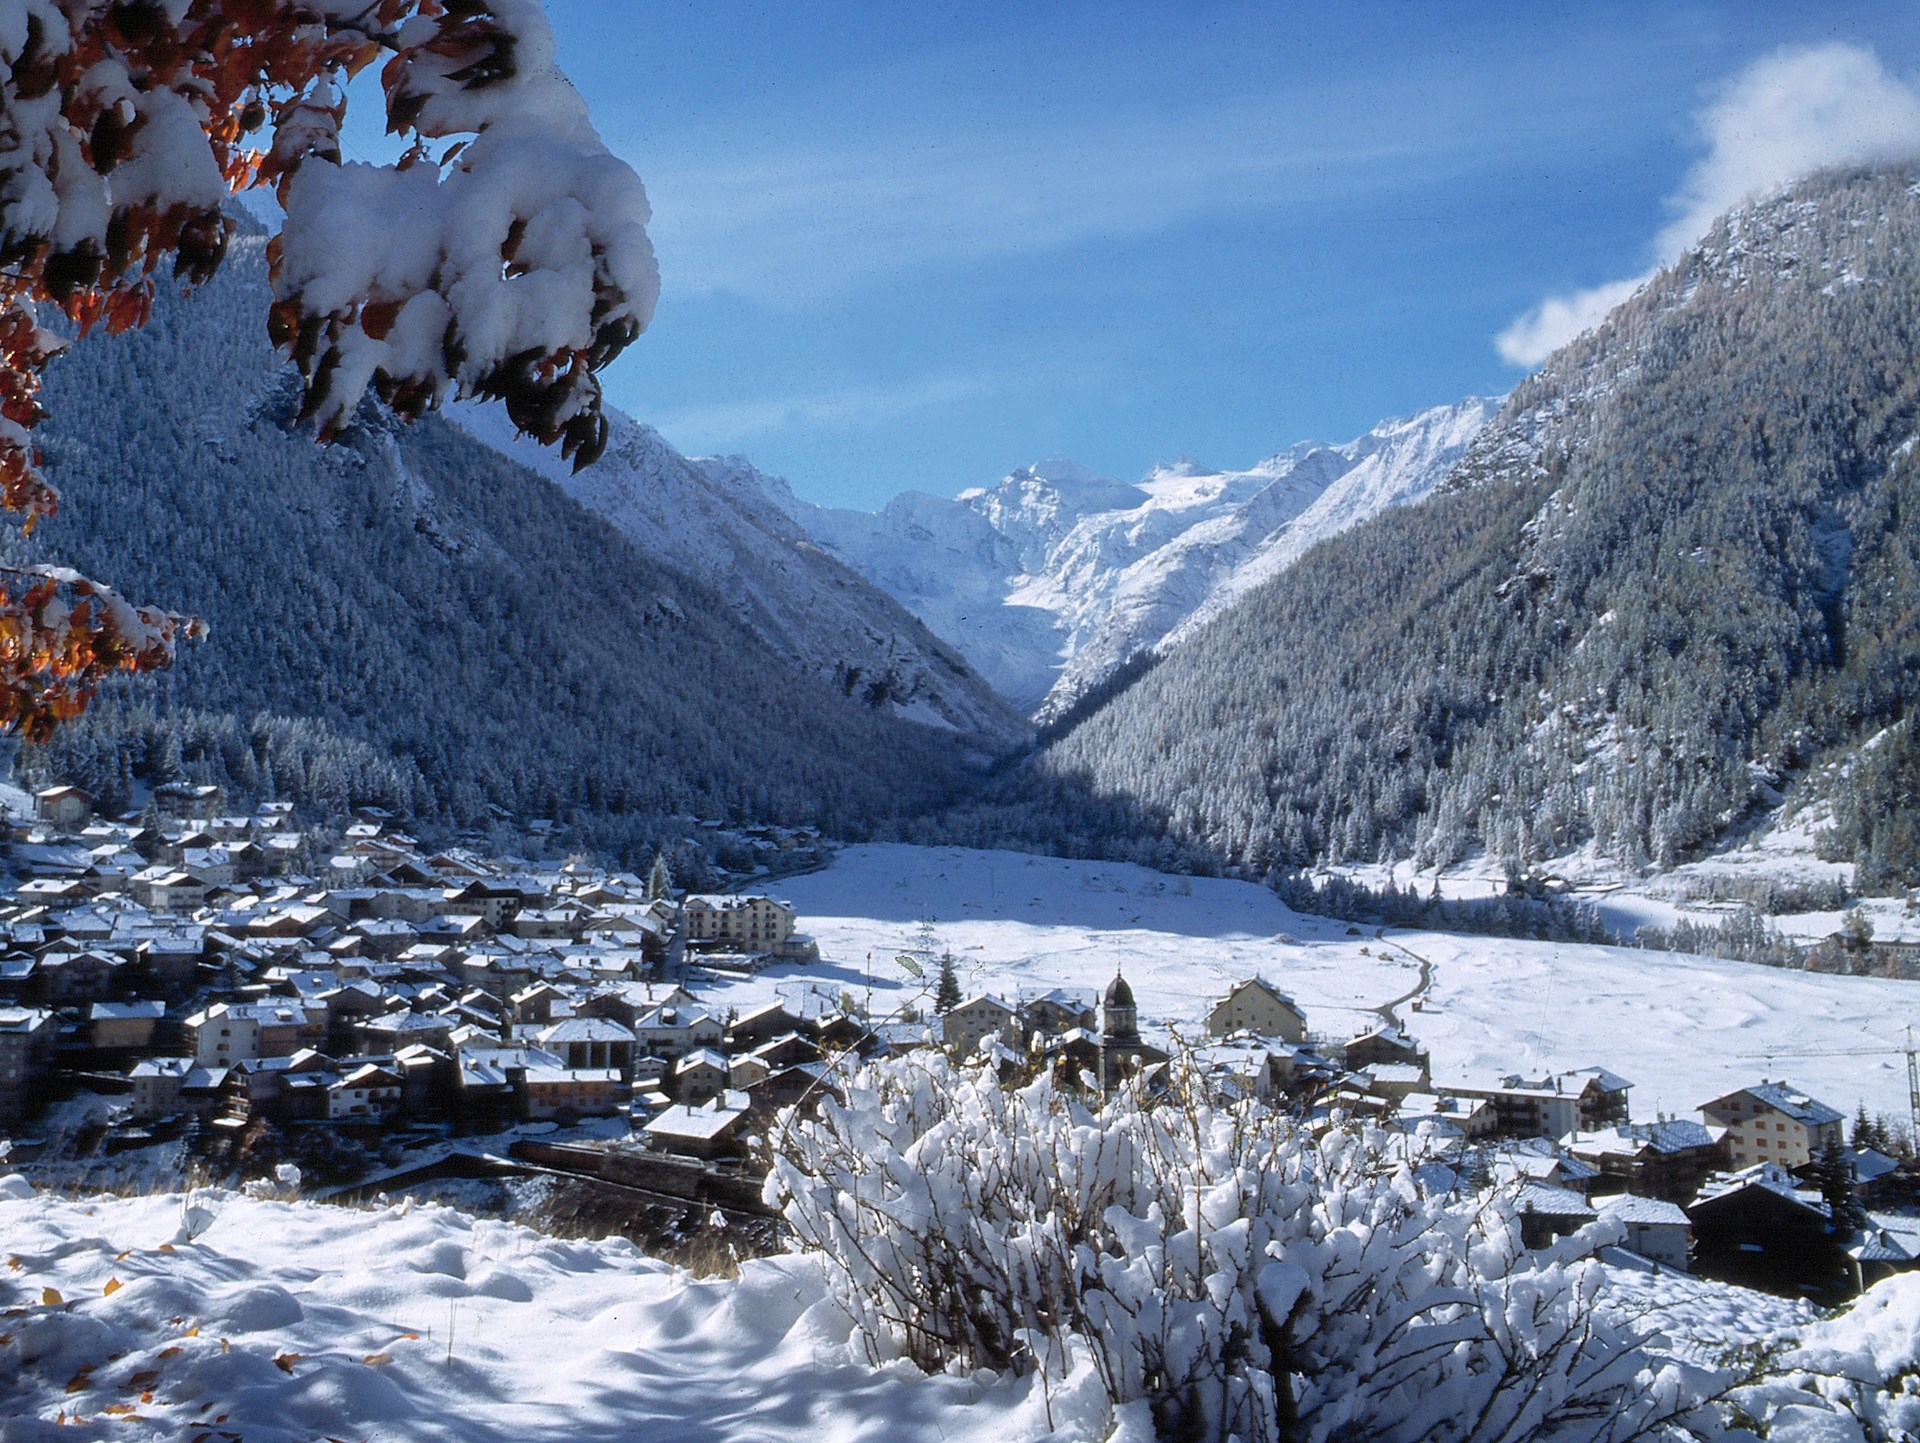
point(1682, 1029)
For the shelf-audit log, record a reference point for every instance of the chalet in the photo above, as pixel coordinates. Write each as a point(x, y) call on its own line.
point(227, 1033)
point(790, 1050)
point(1255, 1005)
point(1774, 1123)
point(1389, 1046)
point(550, 1092)
point(368, 1093)
point(1656, 1229)
point(391, 1031)
point(64, 807)
point(802, 1085)
point(492, 901)
point(700, 1075)
point(188, 799)
point(168, 1086)
point(713, 1130)
point(970, 1024)
point(1587, 1099)
point(1463, 1117)
point(676, 1030)
point(167, 889)
point(1548, 1212)
point(1666, 1160)
point(762, 1024)
point(1758, 1229)
point(68, 979)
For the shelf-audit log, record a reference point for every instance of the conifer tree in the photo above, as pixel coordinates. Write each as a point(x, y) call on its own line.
point(946, 994)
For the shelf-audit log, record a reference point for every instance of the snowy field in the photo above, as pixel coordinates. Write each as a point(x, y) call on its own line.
point(1682, 1029)
point(283, 1323)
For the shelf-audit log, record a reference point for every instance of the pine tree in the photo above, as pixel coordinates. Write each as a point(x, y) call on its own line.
point(1835, 1174)
point(946, 995)
point(660, 880)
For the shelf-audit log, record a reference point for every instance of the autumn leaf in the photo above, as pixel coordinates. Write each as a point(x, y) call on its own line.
point(143, 1378)
point(113, 1286)
point(51, 1297)
point(81, 1380)
point(375, 1360)
point(286, 1361)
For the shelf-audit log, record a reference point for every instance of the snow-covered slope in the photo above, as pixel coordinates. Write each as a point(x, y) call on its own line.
point(1052, 579)
point(717, 522)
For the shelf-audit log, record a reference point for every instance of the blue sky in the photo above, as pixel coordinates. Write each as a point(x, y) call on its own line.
point(913, 247)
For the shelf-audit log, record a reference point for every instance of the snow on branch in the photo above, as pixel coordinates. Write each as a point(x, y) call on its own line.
point(1223, 1271)
point(511, 263)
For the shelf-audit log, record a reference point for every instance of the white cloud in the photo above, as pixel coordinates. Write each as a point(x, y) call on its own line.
point(1783, 117)
point(792, 222)
point(731, 423)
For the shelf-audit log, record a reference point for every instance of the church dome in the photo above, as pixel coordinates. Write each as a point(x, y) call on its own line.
point(1118, 993)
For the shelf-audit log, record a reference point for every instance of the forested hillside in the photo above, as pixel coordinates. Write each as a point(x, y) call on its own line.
point(408, 617)
point(1676, 578)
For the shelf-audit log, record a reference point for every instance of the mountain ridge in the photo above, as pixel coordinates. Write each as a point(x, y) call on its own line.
point(1056, 577)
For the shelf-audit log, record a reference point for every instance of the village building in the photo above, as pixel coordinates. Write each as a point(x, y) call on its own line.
point(1389, 1047)
point(701, 1075)
point(1587, 1099)
point(26, 1051)
point(1656, 1229)
point(123, 1026)
point(964, 1028)
point(1667, 1160)
point(1255, 1005)
point(743, 923)
point(1759, 1229)
point(1774, 1123)
point(369, 1093)
point(66, 808)
point(163, 1087)
point(714, 1129)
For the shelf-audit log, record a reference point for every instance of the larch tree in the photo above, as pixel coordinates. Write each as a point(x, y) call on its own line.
point(503, 257)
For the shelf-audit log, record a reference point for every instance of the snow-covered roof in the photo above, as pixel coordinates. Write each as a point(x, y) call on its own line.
point(1794, 1103)
point(1626, 1207)
point(702, 1124)
point(127, 1011)
point(1633, 1138)
point(1556, 1202)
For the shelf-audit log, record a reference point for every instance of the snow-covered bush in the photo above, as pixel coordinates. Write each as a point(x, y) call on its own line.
point(1233, 1272)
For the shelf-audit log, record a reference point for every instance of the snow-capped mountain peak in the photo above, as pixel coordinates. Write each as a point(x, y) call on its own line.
point(1055, 576)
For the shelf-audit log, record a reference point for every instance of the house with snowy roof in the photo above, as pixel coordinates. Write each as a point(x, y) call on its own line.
point(712, 1129)
point(1388, 1046)
point(749, 922)
point(1551, 1105)
point(1668, 1159)
point(1255, 1005)
point(1760, 1228)
point(1547, 1212)
point(64, 807)
point(1774, 1122)
point(1657, 1230)
point(965, 1027)
point(590, 1042)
